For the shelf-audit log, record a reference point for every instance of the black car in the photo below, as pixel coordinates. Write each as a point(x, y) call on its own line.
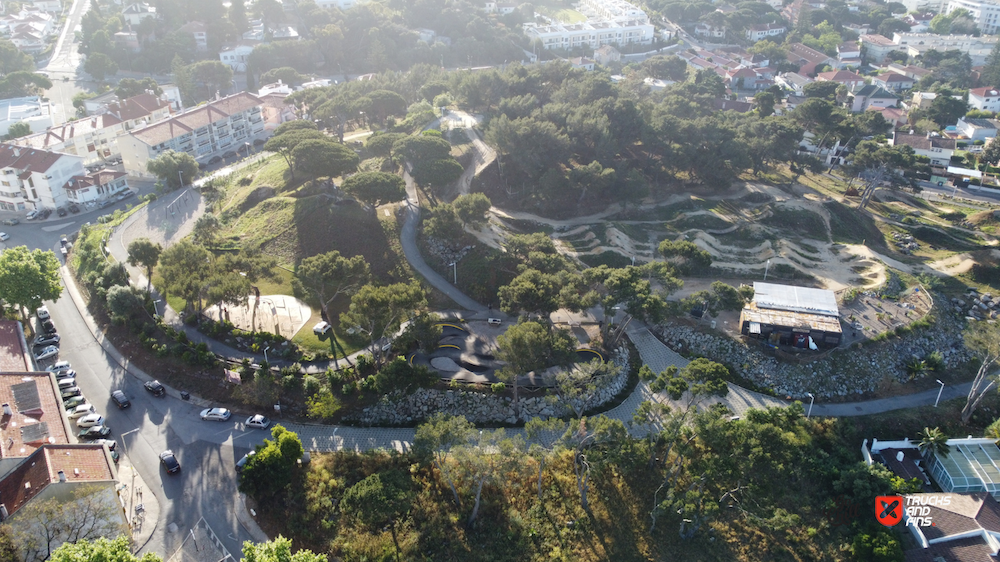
point(45, 214)
point(48, 327)
point(155, 387)
point(47, 340)
point(61, 212)
point(96, 432)
point(170, 461)
point(74, 208)
point(214, 160)
point(120, 399)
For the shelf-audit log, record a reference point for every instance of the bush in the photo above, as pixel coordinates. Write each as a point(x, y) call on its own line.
point(347, 389)
point(291, 383)
point(935, 361)
point(311, 385)
point(498, 387)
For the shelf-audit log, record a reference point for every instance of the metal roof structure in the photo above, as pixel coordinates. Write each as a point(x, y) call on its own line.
point(795, 299)
point(973, 465)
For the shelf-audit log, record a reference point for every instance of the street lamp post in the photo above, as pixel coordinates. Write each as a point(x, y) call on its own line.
point(940, 390)
point(454, 269)
point(265, 355)
point(131, 490)
point(180, 176)
point(811, 400)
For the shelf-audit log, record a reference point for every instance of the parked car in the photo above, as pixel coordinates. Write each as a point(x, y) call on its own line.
point(96, 432)
point(30, 216)
point(42, 313)
point(48, 327)
point(66, 383)
point(51, 339)
point(105, 203)
point(170, 461)
point(155, 387)
point(240, 464)
point(71, 392)
point(74, 208)
point(258, 421)
point(120, 399)
point(111, 443)
point(64, 242)
point(4, 237)
point(60, 366)
point(114, 454)
point(125, 194)
point(215, 414)
point(45, 214)
point(73, 402)
point(214, 160)
point(81, 411)
point(229, 154)
point(46, 353)
point(63, 375)
point(11, 222)
point(61, 212)
point(90, 420)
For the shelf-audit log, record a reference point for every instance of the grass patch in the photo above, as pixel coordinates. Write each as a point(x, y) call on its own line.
point(852, 226)
point(803, 223)
point(608, 258)
point(306, 339)
point(564, 15)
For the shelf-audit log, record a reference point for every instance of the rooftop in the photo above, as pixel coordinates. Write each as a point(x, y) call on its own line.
point(923, 142)
point(13, 348)
point(839, 76)
point(753, 314)
point(195, 118)
point(26, 158)
point(984, 92)
point(36, 413)
point(136, 107)
point(77, 463)
point(16, 109)
point(876, 39)
point(101, 177)
point(795, 299)
point(62, 133)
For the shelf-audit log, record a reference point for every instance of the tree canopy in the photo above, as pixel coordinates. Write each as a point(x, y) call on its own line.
point(28, 277)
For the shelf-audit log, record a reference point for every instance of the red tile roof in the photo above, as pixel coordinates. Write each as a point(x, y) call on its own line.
point(195, 118)
point(49, 411)
point(136, 107)
point(839, 76)
point(22, 158)
point(984, 92)
point(78, 463)
point(61, 133)
point(13, 354)
point(101, 177)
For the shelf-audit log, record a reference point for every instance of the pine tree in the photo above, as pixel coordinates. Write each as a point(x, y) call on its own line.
point(990, 76)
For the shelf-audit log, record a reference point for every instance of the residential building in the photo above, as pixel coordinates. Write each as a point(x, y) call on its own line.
point(792, 81)
point(606, 54)
point(710, 31)
point(746, 79)
point(895, 116)
point(977, 129)
point(939, 149)
point(922, 100)
point(764, 31)
point(987, 99)
point(935, 6)
point(893, 82)
point(28, 39)
point(794, 316)
point(870, 96)
point(848, 54)
point(915, 44)
point(986, 14)
point(32, 179)
point(914, 72)
point(807, 58)
point(92, 138)
point(133, 111)
point(202, 132)
point(33, 110)
point(614, 10)
point(28, 20)
point(36, 416)
point(96, 186)
point(859, 29)
point(792, 101)
point(847, 78)
point(592, 34)
point(345, 4)
point(135, 13)
point(276, 111)
point(236, 56)
point(919, 23)
point(50, 6)
point(128, 40)
point(732, 105)
point(582, 63)
point(99, 104)
point(875, 48)
point(196, 29)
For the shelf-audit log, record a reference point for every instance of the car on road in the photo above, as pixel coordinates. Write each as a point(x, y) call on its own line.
point(51, 339)
point(215, 414)
point(214, 160)
point(70, 392)
point(105, 203)
point(30, 216)
point(74, 208)
point(90, 420)
point(46, 353)
point(48, 327)
point(169, 461)
point(11, 222)
point(155, 388)
point(44, 214)
point(42, 313)
point(4, 237)
point(61, 212)
point(120, 399)
point(258, 421)
point(81, 411)
point(60, 366)
point(73, 402)
point(240, 464)
point(125, 194)
point(96, 432)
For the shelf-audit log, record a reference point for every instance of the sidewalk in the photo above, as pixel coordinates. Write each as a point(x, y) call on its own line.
point(142, 509)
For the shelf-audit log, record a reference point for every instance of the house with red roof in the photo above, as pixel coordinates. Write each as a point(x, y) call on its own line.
point(845, 77)
point(807, 58)
point(986, 99)
point(893, 82)
point(33, 179)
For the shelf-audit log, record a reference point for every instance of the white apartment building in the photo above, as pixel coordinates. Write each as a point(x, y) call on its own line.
point(986, 14)
point(591, 34)
point(924, 5)
point(99, 185)
point(216, 127)
point(50, 6)
point(978, 48)
point(340, 4)
point(31, 110)
point(33, 179)
point(613, 10)
point(757, 32)
point(96, 138)
point(236, 56)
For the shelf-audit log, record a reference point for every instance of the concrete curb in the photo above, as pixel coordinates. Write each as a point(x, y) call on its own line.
point(247, 521)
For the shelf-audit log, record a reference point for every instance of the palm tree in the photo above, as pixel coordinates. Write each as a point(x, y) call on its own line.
point(934, 441)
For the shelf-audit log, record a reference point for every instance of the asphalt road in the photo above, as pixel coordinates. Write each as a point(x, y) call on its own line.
point(63, 67)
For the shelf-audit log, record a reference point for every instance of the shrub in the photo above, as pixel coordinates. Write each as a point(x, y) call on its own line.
point(347, 389)
point(311, 385)
point(935, 361)
point(498, 387)
point(291, 383)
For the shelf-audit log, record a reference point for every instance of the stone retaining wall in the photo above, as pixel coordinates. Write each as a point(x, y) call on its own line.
point(482, 408)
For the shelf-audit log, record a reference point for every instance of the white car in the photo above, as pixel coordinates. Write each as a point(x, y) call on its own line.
point(31, 215)
point(70, 374)
point(90, 420)
point(42, 313)
point(50, 351)
point(60, 366)
point(80, 411)
point(4, 236)
point(216, 414)
point(258, 421)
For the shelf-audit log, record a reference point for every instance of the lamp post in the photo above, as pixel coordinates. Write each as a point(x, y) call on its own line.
point(454, 269)
point(265, 356)
point(247, 144)
point(940, 390)
point(767, 267)
point(811, 400)
point(180, 176)
point(131, 490)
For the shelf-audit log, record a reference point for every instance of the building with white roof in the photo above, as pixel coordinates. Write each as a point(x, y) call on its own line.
point(790, 315)
point(31, 110)
point(236, 56)
point(610, 22)
point(218, 126)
